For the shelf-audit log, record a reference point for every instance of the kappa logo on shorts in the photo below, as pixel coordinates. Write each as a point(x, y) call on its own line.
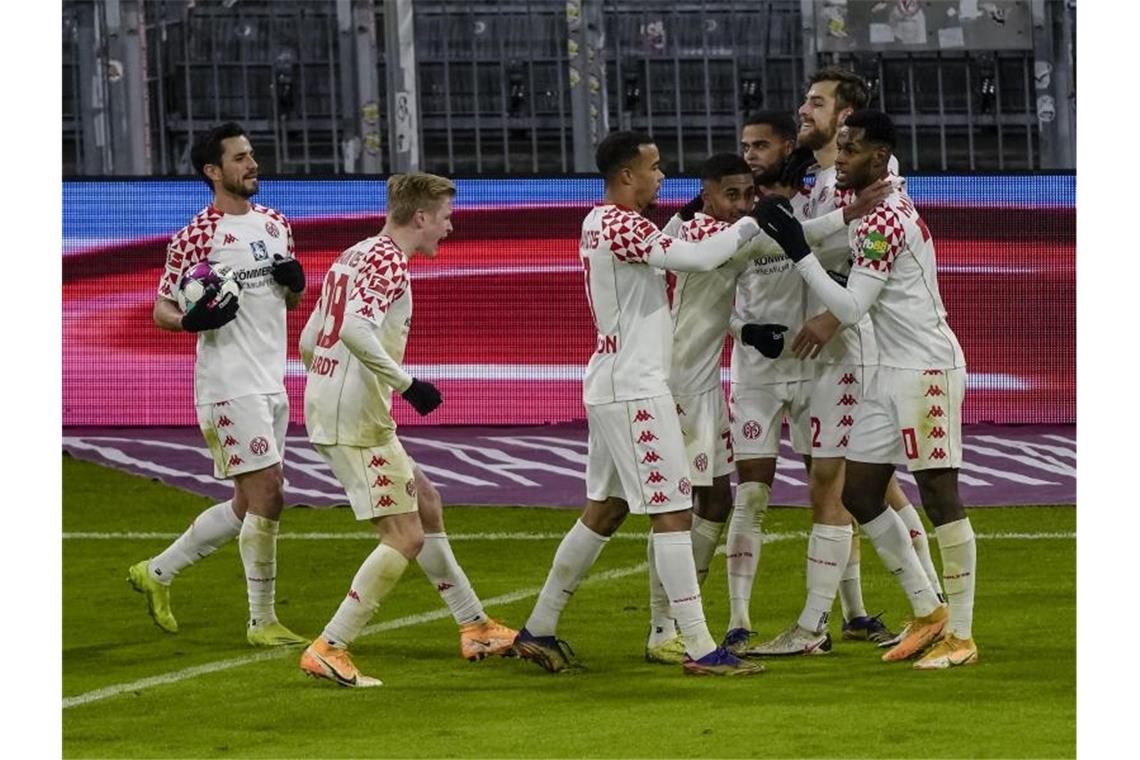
point(378, 462)
point(382, 481)
point(842, 441)
point(936, 411)
point(846, 421)
point(752, 430)
point(646, 436)
point(680, 411)
point(847, 400)
point(658, 498)
point(410, 488)
point(684, 486)
point(932, 372)
point(221, 403)
point(258, 446)
point(235, 460)
point(651, 457)
point(934, 390)
point(385, 501)
point(701, 462)
point(654, 477)
point(224, 421)
point(936, 432)
point(643, 415)
point(271, 228)
point(230, 441)
point(938, 454)
point(847, 379)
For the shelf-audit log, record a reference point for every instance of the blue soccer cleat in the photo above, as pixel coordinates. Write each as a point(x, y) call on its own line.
point(553, 654)
point(721, 662)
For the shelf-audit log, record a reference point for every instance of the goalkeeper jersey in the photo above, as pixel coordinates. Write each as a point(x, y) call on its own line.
point(247, 355)
point(346, 403)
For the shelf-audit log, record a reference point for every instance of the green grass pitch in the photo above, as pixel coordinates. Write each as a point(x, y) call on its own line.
point(211, 695)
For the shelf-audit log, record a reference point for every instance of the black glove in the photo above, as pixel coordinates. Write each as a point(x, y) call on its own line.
point(208, 315)
point(774, 215)
point(288, 272)
point(795, 167)
point(423, 396)
point(690, 209)
point(768, 339)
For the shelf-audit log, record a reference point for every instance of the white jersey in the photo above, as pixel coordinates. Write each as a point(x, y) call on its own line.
point(770, 291)
point(892, 243)
point(246, 356)
point(345, 402)
point(856, 344)
point(700, 304)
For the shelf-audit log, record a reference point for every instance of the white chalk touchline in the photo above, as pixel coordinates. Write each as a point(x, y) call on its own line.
point(235, 662)
point(521, 536)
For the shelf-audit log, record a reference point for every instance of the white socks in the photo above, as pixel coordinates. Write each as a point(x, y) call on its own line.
point(258, 545)
point(706, 535)
point(574, 558)
point(376, 577)
point(828, 547)
point(661, 624)
point(439, 565)
point(674, 560)
point(210, 531)
point(743, 549)
point(851, 584)
point(890, 538)
point(921, 544)
point(959, 567)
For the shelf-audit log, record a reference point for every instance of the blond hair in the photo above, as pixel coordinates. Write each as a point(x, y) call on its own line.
point(409, 193)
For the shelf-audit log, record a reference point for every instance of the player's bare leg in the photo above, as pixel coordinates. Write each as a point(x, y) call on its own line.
point(479, 635)
point(957, 545)
point(864, 492)
point(401, 538)
point(898, 501)
point(259, 496)
point(745, 540)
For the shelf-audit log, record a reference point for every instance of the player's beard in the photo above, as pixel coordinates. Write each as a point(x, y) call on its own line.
point(769, 176)
point(239, 188)
point(817, 138)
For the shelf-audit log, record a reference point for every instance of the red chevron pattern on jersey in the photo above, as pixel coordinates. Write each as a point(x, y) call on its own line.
point(700, 227)
point(189, 245)
point(381, 279)
point(630, 235)
point(882, 222)
point(278, 217)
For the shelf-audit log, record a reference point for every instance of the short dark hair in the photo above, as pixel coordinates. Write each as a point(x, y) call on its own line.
point(617, 150)
point(877, 126)
point(208, 148)
point(851, 91)
point(781, 122)
point(721, 165)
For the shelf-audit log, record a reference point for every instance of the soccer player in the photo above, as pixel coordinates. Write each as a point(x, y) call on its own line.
point(842, 365)
point(352, 347)
point(912, 412)
point(239, 373)
point(636, 454)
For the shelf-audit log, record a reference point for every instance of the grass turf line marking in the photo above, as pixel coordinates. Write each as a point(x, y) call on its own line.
point(214, 667)
point(365, 535)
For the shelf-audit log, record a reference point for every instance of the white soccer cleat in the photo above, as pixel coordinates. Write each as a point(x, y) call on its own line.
point(792, 642)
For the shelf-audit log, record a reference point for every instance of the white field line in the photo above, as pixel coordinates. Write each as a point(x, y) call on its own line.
point(366, 536)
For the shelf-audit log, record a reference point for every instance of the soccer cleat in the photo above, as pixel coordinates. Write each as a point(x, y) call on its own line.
point(322, 660)
point(736, 640)
point(272, 635)
point(551, 653)
point(867, 628)
point(671, 652)
point(490, 637)
point(794, 641)
point(721, 662)
point(897, 637)
point(157, 596)
point(948, 652)
point(920, 633)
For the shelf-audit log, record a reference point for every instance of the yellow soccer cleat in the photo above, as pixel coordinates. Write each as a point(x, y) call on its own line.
point(157, 596)
point(920, 634)
point(486, 639)
point(322, 660)
point(272, 635)
point(671, 652)
point(948, 652)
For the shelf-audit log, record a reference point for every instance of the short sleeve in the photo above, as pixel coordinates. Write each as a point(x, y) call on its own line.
point(381, 279)
point(877, 242)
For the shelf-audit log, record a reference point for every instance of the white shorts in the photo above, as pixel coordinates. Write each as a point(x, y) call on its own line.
point(912, 417)
point(758, 414)
point(636, 452)
point(245, 434)
point(707, 436)
point(379, 480)
point(836, 391)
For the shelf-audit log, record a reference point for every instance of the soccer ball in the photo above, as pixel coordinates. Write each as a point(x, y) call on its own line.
point(201, 276)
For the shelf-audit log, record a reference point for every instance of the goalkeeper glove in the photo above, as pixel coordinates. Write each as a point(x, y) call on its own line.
point(423, 396)
point(689, 210)
point(774, 215)
point(288, 272)
point(795, 167)
point(768, 339)
point(207, 315)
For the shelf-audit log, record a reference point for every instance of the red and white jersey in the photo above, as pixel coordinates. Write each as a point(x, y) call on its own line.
point(770, 290)
point(247, 355)
point(627, 298)
point(700, 304)
point(346, 402)
point(856, 344)
point(892, 243)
